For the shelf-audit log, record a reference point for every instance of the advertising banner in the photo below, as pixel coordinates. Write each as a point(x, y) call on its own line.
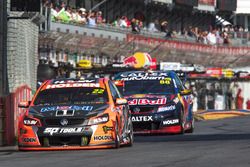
point(207, 5)
point(187, 2)
point(207, 2)
point(170, 66)
point(227, 5)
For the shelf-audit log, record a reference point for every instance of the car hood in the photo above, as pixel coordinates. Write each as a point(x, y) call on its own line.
point(88, 110)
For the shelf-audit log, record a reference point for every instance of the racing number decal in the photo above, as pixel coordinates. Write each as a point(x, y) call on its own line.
point(166, 81)
point(98, 91)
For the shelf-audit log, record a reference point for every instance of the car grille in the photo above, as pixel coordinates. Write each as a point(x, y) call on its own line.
point(56, 122)
point(60, 141)
point(140, 126)
point(142, 109)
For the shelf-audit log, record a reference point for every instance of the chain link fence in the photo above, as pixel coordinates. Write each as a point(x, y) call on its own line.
point(22, 50)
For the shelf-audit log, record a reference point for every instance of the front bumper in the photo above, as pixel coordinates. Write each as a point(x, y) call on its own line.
point(55, 148)
point(66, 138)
point(153, 123)
point(164, 130)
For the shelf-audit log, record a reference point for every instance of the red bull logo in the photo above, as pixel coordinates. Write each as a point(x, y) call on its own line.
point(131, 61)
point(139, 60)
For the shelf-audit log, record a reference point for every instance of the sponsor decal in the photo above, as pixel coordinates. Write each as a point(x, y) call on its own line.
point(170, 122)
point(29, 122)
point(136, 110)
point(142, 118)
point(100, 120)
point(165, 81)
point(147, 101)
point(64, 122)
point(166, 108)
point(72, 85)
point(84, 108)
point(29, 140)
point(106, 129)
point(52, 131)
point(143, 76)
point(74, 81)
point(99, 138)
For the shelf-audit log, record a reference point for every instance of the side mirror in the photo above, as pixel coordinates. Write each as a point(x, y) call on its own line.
point(121, 101)
point(24, 104)
point(186, 92)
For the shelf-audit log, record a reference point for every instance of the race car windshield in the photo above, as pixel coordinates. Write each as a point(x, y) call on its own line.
point(72, 96)
point(148, 87)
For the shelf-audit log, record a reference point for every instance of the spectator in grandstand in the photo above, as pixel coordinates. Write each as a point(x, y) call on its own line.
point(69, 12)
point(204, 37)
point(53, 12)
point(115, 23)
point(135, 26)
point(152, 26)
point(65, 15)
point(225, 37)
point(211, 37)
point(122, 22)
point(128, 22)
point(99, 18)
point(190, 32)
point(81, 17)
point(218, 34)
point(241, 29)
point(164, 28)
point(92, 19)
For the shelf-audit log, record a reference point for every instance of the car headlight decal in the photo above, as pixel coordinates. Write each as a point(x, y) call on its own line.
point(31, 121)
point(99, 120)
point(166, 108)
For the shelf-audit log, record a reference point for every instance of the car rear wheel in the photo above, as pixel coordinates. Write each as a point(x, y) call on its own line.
point(117, 136)
point(46, 142)
point(191, 130)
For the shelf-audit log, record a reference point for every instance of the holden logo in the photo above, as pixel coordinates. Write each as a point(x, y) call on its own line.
point(64, 122)
point(136, 109)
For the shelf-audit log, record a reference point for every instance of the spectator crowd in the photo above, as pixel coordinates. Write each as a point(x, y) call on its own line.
point(65, 14)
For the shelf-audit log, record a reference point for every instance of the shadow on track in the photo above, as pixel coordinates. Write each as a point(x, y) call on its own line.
point(193, 137)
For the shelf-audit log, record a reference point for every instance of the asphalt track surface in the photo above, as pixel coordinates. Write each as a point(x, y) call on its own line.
point(220, 143)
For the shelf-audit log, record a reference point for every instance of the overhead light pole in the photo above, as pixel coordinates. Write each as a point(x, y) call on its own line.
point(3, 48)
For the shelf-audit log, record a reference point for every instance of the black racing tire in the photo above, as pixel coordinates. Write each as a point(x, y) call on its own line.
point(130, 133)
point(117, 136)
point(191, 130)
point(46, 142)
